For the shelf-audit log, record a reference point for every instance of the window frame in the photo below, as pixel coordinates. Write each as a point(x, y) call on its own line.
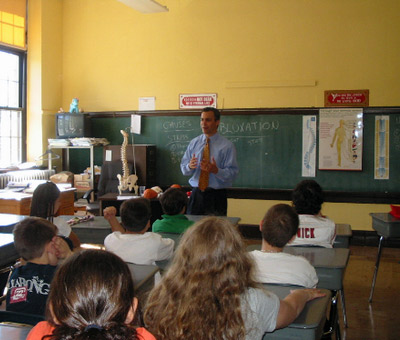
point(22, 93)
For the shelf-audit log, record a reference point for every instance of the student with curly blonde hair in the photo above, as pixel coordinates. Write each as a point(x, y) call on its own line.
point(209, 291)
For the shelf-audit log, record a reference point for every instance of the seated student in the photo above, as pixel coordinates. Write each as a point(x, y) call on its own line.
point(173, 202)
point(45, 204)
point(36, 242)
point(208, 292)
point(131, 241)
point(314, 229)
point(279, 227)
point(92, 297)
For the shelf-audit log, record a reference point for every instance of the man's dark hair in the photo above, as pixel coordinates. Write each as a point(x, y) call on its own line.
point(173, 201)
point(135, 213)
point(31, 235)
point(279, 225)
point(308, 197)
point(217, 114)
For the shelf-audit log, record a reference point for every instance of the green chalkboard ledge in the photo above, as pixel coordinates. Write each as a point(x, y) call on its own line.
point(330, 196)
point(240, 111)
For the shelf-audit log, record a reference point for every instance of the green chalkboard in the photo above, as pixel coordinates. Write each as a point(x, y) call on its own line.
point(269, 149)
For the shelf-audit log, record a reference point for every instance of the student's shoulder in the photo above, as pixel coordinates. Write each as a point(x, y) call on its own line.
point(41, 329)
point(144, 334)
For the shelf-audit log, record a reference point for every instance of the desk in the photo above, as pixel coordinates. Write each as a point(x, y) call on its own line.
point(309, 324)
point(14, 331)
point(20, 203)
point(196, 218)
point(143, 276)
point(330, 265)
point(94, 231)
point(386, 226)
point(343, 234)
point(8, 254)
point(111, 199)
point(8, 221)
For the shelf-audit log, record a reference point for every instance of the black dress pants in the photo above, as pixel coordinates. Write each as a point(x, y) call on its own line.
point(208, 202)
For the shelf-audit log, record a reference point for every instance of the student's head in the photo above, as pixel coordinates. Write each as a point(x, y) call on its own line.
point(308, 197)
point(173, 201)
point(135, 214)
point(43, 200)
point(210, 118)
point(32, 235)
point(200, 294)
point(279, 225)
point(92, 297)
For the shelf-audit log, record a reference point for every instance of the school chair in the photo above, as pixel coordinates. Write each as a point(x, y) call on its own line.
point(108, 182)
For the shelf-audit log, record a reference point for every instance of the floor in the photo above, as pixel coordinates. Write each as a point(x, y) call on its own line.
point(378, 320)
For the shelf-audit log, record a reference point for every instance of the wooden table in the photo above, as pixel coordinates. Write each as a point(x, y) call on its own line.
point(386, 226)
point(20, 203)
point(309, 325)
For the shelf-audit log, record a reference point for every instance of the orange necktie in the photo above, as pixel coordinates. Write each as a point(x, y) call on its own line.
point(204, 175)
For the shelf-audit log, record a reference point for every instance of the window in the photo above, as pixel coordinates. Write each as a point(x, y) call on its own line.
point(12, 107)
point(12, 29)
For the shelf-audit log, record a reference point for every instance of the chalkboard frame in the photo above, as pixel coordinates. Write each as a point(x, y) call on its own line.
point(278, 194)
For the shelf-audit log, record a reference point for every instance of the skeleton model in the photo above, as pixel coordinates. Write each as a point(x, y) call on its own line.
point(126, 181)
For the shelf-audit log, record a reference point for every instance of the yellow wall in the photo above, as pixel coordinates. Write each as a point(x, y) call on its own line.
point(113, 54)
point(44, 72)
point(357, 215)
point(253, 53)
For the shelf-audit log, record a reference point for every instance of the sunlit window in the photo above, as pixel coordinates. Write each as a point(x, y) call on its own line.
point(11, 108)
point(12, 29)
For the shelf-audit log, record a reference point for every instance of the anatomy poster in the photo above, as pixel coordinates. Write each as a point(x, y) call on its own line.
point(309, 146)
point(340, 139)
point(381, 147)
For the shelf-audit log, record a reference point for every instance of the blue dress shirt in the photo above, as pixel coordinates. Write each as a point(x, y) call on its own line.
point(224, 153)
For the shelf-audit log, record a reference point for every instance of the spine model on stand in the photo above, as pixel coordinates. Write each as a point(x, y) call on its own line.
point(126, 181)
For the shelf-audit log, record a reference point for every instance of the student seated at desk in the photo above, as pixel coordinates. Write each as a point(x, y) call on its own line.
point(173, 202)
point(314, 229)
point(36, 242)
point(208, 292)
point(45, 204)
point(92, 297)
point(131, 241)
point(279, 227)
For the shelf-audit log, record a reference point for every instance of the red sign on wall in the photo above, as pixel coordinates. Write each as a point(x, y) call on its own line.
point(195, 101)
point(357, 98)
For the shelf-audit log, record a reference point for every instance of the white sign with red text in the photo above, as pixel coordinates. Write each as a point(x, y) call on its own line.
point(196, 101)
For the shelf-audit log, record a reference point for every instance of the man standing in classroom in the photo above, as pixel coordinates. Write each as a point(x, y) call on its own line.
point(210, 160)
